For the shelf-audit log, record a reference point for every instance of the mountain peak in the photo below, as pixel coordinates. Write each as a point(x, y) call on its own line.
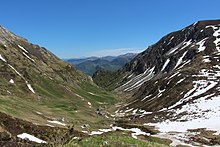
point(7, 36)
point(208, 22)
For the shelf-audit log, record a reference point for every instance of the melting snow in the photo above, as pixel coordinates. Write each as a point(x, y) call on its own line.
point(209, 74)
point(56, 122)
point(171, 38)
point(199, 87)
point(29, 87)
point(136, 131)
point(79, 96)
point(146, 97)
point(30, 137)
point(91, 93)
point(89, 104)
point(14, 70)
point(216, 34)
point(139, 80)
point(184, 64)
point(181, 80)
point(2, 58)
point(28, 57)
point(39, 113)
point(201, 45)
point(209, 116)
point(128, 110)
point(217, 41)
point(165, 64)
point(174, 75)
point(180, 59)
point(11, 81)
point(195, 23)
point(130, 75)
point(96, 133)
point(186, 44)
point(23, 48)
point(105, 130)
point(50, 125)
point(206, 60)
point(172, 50)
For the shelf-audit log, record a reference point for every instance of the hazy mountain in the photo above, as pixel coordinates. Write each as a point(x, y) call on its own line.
point(91, 64)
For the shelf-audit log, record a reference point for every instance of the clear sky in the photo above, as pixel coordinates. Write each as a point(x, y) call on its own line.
point(77, 28)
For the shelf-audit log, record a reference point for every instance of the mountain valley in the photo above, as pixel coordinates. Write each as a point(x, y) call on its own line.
point(168, 95)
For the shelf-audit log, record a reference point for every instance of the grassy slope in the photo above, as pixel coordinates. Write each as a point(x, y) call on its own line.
point(55, 100)
point(116, 139)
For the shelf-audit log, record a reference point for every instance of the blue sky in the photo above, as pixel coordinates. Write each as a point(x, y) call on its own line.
point(79, 28)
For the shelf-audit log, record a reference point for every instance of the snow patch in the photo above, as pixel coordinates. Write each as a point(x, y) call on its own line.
point(39, 113)
point(56, 122)
point(136, 131)
point(209, 117)
point(171, 38)
point(206, 60)
point(130, 75)
point(216, 34)
point(96, 133)
point(50, 125)
point(139, 80)
point(201, 45)
point(181, 80)
point(174, 75)
point(30, 87)
point(2, 58)
point(185, 44)
point(165, 64)
point(11, 81)
point(30, 137)
point(89, 104)
point(174, 49)
point(129, 110)
point(91, 93)
point(28, 57)
point(217, 41)
point(15, 70)
point(199, 87)
point(21, 47)
point(146, 97)
point(180, 60)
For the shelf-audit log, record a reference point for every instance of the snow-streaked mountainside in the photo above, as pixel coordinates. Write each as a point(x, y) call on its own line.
point(175, 83)
point(182, 66)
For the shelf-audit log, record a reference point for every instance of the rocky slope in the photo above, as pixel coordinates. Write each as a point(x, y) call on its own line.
point(174, 83)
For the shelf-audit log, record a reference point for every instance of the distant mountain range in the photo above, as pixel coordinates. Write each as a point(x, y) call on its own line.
point(90, 65)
